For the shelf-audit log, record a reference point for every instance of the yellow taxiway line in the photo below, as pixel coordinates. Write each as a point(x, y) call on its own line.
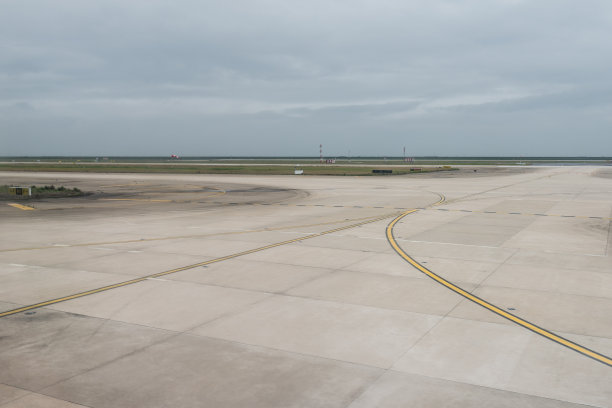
point(184, 268)
point(213, 234)
point(22, 207)
point(521, 322)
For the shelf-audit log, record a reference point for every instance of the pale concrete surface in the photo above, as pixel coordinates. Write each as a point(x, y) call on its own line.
point(251, 275)
point(40, 349)
point(188, 371)
point(366, 335)
point(398, 390)
point(377, 290)
point(339, 320)
point(40, 401)
point(163, 304)
point(8, 393)
point(497, 356)
point(562, 312)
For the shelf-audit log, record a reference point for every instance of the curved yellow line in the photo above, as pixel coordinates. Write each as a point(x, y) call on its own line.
point(521, 322)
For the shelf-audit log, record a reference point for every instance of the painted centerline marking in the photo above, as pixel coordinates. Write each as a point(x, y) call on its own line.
point(22, 207)
point(491, 307)
point(184, 268)
point(139, 240)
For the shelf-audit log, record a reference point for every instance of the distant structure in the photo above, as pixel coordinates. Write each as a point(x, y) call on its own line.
point(407, 159)
point(20, 191)
point(174, 156)
point(327, 161)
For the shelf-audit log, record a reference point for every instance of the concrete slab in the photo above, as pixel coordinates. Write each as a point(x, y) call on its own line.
point(40, 401)
point(455, 251)
point(552, 259)
point(215, 247)
point(189, 371)
point(125, 264)
point(559, 280)
point(467, 351)
point(508, 358)
point(477, 229)
point(9, 306)
point(386, 264)
point(315, 323)
point(458, 271)
point(163, 304)
point(353, 240)
point(42, 348)
point(8, 393)
point(6, 269)
point(556, 372)
point(33, 285)
point(52, 256)
point(522, 205)
point(564, 235)
point(502, 220)
point(251, 275)
point(358, 334)
point(398, 390)
point(303, 255)
point(424, 220)
point(382, 291)
point(602, 344)
point(556, 311)
point(585, 205)
point(254, 239)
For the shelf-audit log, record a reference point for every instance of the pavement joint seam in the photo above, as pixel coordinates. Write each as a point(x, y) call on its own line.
point(232, 204)
point(599, 357)
point(495, 388)
point(211, 261)
point(213, 234)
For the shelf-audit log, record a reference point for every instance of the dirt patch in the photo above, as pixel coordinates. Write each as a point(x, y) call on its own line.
point(107, 197)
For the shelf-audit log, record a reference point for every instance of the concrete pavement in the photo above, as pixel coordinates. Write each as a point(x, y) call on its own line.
point(334, 320)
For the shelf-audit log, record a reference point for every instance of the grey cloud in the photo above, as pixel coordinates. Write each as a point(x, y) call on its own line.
point(287, 75)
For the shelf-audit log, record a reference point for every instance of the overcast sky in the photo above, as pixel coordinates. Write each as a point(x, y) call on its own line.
point(279, 77)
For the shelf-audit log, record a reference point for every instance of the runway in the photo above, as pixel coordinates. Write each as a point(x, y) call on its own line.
point(261, 291)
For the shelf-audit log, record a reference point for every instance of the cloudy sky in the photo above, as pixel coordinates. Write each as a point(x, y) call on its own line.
point(279, 77)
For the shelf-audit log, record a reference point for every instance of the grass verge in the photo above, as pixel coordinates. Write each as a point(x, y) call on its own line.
point(329, 170)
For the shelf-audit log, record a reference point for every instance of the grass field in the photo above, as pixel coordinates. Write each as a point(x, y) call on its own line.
point(323, 170)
